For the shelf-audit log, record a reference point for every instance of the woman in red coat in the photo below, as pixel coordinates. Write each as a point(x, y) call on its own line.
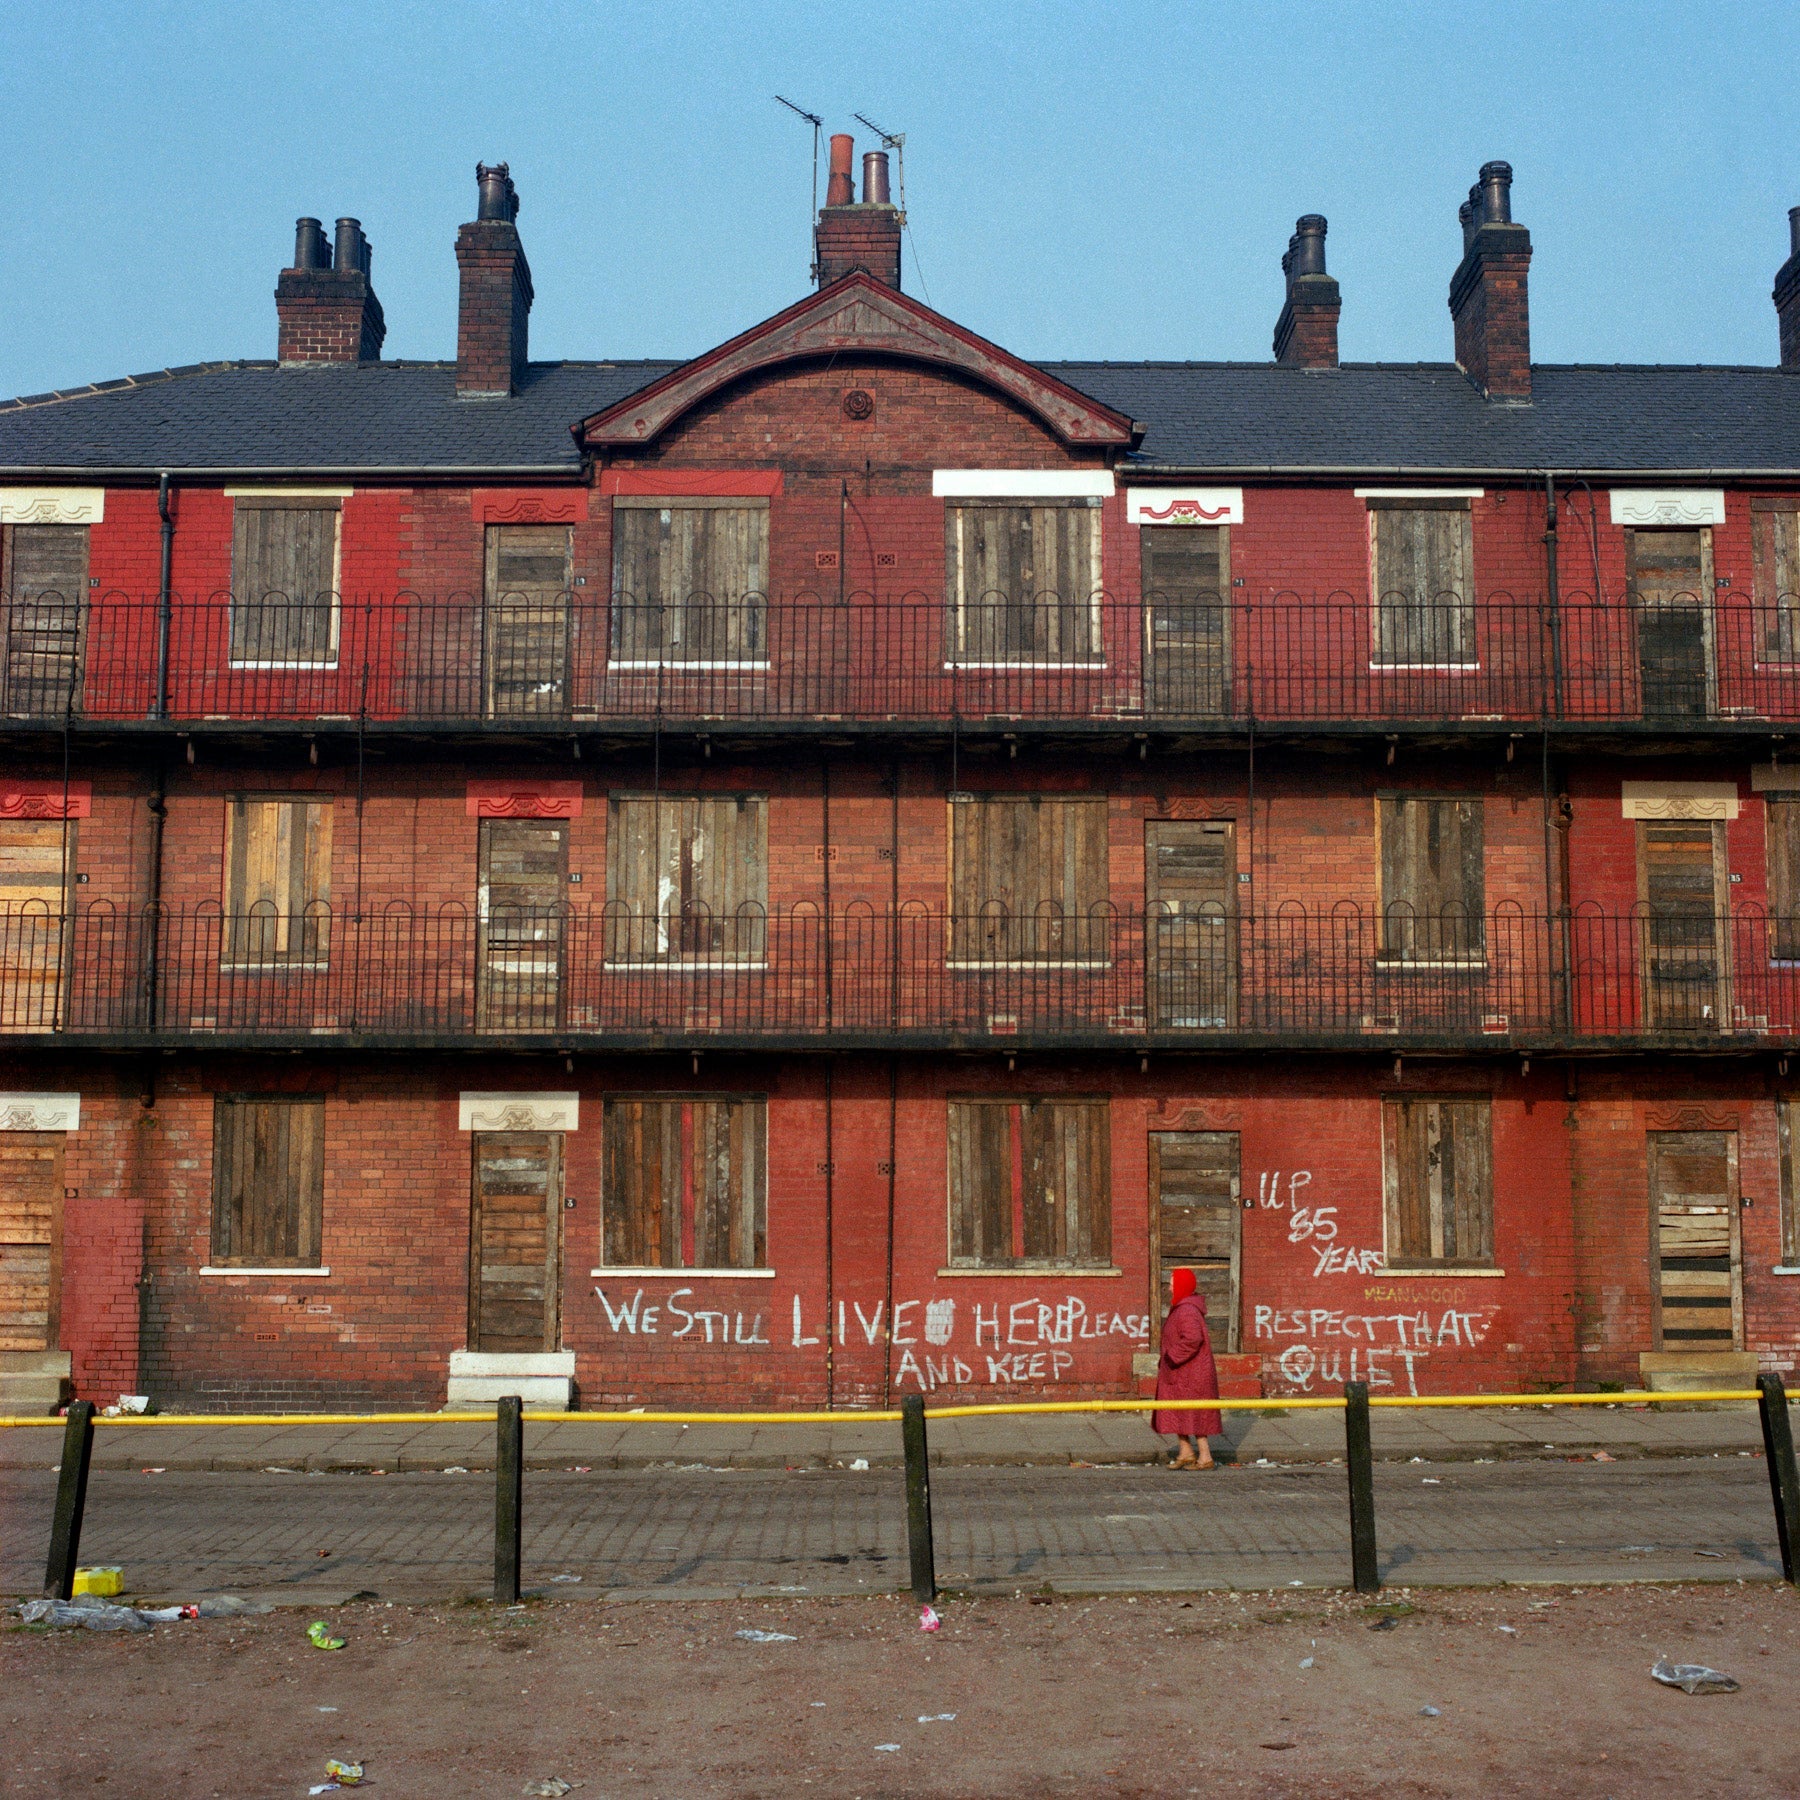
point(1186, 1372)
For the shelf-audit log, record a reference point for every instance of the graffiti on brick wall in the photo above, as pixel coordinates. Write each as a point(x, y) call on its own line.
point(1335, 1344)
point(942, 1342)
point(1315, 1226)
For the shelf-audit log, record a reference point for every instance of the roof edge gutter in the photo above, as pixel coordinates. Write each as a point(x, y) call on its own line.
point(288, 472)
point(1414, 472)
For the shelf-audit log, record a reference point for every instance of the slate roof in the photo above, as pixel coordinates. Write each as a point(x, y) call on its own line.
point(1198, 417)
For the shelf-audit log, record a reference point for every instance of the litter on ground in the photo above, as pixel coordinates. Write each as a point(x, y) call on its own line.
point(318, 1634)
point(751, 1635)
point(1692, 1678)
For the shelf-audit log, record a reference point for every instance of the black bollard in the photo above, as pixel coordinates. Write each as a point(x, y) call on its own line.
point(1359, 1455)
point(918, 1499)
point(71, 1500)
point(1784, 1482)
point(509, 1497)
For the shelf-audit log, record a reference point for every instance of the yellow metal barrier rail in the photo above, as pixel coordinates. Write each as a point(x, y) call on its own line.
point(891, 1416)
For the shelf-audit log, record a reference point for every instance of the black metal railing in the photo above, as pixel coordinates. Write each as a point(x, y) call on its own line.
point(536, 660)
point(1341, 976)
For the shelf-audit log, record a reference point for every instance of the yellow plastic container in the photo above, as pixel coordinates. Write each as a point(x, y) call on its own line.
point(103, 1583)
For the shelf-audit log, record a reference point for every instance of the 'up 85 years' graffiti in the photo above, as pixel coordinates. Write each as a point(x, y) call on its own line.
point(1024, 1341)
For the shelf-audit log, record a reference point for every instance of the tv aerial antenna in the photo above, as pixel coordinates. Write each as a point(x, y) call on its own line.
point(894, 141)
point(817, 125)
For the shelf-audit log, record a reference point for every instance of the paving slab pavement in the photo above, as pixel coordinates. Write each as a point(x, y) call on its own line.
point(599, 1441)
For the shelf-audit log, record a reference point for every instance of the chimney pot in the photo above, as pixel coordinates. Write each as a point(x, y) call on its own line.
point(1306, 334)
point(1465, 215)
point(1309, 245)
point(1794, 230)
point(840, 189)
point(309, 245)
point(1495, 189)
point(352, 250)
point(1787, 295)
point(499, 198)
point(875, 178)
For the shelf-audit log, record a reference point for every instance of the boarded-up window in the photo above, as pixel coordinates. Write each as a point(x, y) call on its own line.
point(44, 579)
point(268, 1181)
point(37, 877)
point(1028, 880)
point(1422, 554)
point(1030, 1184)
point(1438, 1164)
point(1024, 582)
point(1671, 590)
point(31, 1204)
point(528, 621)
point(1775, 569)
point(1682, 943)
point(1433, 901)
point(687, 878)
point(1781, 837)
point(1187, 582)
point(690, 581)
point(1790, 1193)
point(277, 882)
point(284, 607)
point(684, 1183)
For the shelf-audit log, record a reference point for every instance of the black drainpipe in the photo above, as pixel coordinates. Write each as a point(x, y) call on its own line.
point(159, 807)
point(161, 710)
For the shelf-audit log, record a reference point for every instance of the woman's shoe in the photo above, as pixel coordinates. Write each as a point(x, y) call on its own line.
point(1184, 1458)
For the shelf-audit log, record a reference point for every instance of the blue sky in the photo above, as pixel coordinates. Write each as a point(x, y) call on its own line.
point(1087, 181)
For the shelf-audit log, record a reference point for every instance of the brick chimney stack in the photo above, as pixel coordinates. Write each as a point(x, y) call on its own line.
point(327, 313)
point(858, 237)
point(494, 312)
point(1487, 293)
point(1787, 295)
point(1306, 334)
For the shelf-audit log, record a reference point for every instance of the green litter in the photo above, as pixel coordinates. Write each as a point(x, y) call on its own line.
point(319, 1636)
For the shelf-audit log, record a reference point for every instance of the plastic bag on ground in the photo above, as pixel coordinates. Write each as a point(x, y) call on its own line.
point(229, 1606)
point(1692, 1678)
point(552, 1789)
point(96, 1615)
point(751, 1636)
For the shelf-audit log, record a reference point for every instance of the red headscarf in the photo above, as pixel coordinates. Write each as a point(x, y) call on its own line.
point(1181, 1284)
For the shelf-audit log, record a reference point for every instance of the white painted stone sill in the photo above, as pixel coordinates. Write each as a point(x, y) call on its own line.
point(1037, 1273)
point(1785, 1269)
point(689, 1274)
point(315, 1272)
point(1449, 1272)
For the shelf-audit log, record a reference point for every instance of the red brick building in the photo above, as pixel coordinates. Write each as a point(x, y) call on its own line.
point(821, 871)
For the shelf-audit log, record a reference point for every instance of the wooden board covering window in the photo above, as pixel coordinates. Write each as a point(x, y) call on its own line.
point(1190, 891)
point(1694, 1198)
point(1433, 885)
point(685, 1183)
point(687, 878)
point(1422, 554)
point(1024, 581)
point(690, 580)
point(1670, 576)
point(1781, 842)
point(31, 1199)
point(277, 882)
point(44, 578)
point(515, 1243)
point(37, 885)
point(1790, 1190)
point(1198, 1221)
point(1028, 880)
point(268, 1181)
point(526, 655)
point(522, 903)
point(1187, 593)
point(1438, 1169)
point(1681, 946)
point(1775, 579)
point(1030, 1183)
point(284, 581)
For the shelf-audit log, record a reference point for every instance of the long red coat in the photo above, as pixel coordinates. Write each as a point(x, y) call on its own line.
point(1185, 1371)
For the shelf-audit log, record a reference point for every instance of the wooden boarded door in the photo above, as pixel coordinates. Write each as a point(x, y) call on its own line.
point(1198, 1222)
point(37, 862)
point(1187, 583)
point(524, 876)
point(1671, 592)
point(515, 1242)
point(1190, 881)
point(527, 640)
point(45, 581)
point(1694, 1198)
point(31, 1197)
point(1685, 979)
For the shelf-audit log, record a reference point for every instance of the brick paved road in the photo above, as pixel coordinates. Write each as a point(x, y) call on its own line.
point(714, 1533)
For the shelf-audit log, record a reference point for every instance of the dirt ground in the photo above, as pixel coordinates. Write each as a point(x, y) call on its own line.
point(1283, 1693)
